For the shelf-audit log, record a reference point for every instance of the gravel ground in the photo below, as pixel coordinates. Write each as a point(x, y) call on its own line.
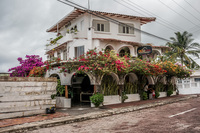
point(154, 120)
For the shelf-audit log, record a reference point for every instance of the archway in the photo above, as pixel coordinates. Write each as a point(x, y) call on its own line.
point(109, 85)
point(124, 51)
point(55, 75)
point(81, 89)
point(109, 48)
point(131, 83)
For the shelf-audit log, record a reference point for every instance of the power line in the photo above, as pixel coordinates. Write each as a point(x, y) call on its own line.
point(72, 4)
point(192, 6)
point(178, 13)
point(140, 13)
point(186, 10)
point(148, 12)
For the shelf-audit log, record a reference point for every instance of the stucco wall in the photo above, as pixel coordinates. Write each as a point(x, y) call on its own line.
point(23, 96)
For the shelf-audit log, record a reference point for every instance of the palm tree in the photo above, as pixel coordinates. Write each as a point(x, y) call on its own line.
point(183, 49)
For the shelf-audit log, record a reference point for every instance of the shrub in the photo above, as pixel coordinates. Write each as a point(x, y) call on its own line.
point(26, 66)
point(60, 90)
point(97, 99)
point(169, 92)
point(157, 94)
point(124, 96)
point(145, 97)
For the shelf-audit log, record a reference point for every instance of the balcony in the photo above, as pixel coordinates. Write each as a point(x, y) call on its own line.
point(66, 38)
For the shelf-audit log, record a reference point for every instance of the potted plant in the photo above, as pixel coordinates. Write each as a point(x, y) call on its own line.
point(131, 90)
point(110, 91)
point(97, 99)
point(61, 101)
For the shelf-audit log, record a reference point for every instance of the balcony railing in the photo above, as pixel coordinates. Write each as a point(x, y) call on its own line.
point(66, 38)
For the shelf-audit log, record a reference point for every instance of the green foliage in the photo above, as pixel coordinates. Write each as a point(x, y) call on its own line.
point(124, 96)
point(181, 46)
point(131, 88)
point(170, 90)
point(60, 88)
point(97, 99)
point(54, 41)
point(108, 86)
point(144, 95)
point(157, 94)
point(159, 86)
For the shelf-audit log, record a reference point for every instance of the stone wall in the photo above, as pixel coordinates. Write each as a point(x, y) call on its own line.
point(23, 96)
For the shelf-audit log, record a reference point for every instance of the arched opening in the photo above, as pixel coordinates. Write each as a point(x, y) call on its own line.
point(55, 75)
point(124, 51)
point(81, 89)
point(108, 48)
point(109, 85)
point(131, 84)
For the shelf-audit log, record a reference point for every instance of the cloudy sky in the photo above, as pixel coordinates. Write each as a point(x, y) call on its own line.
point(23, 23)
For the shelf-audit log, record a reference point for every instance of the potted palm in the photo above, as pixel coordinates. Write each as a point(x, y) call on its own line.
point(61, 101)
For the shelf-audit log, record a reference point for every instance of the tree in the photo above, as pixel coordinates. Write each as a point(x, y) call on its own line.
point(183, 49)
point(26, 66)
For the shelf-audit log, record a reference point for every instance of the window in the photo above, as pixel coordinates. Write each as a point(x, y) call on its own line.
point(100, 25)
point(197, 79)
point(126, 29)
point(65, 54)
point(79, 51)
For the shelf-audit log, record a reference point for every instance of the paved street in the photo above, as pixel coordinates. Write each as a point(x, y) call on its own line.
point(177, 117)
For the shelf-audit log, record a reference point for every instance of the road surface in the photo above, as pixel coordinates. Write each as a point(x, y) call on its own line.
point(172, 118)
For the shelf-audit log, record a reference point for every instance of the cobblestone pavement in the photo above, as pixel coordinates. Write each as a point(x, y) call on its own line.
point(153, 120)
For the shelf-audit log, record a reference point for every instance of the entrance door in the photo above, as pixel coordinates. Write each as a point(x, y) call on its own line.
point(82, 90)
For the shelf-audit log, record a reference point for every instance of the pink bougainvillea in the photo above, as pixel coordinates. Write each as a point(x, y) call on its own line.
point(26, 66)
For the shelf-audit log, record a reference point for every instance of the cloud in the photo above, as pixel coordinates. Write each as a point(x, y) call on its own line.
point(24, 23)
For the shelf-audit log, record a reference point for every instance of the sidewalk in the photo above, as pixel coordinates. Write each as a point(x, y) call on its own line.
point(80, 114)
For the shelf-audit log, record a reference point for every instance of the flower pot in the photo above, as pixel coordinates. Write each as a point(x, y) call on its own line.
point(62, 102)
point(162, 94)
point(92, 104)
point(174, 93)
point(111, 99)
point(133, 97)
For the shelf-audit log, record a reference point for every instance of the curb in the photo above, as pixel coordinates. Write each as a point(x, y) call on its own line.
point(66, 120)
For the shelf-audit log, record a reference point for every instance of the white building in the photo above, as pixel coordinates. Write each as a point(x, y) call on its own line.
point(96, 32)
point(82, 31)
point(190, 85)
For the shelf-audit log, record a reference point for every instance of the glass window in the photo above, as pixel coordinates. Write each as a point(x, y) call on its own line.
point(100, 25)
point(197, 79)
point(79, 51)
point(126, 29)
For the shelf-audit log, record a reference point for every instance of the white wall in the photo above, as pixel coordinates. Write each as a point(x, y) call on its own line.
point(84, 36)
point(189, 86)
point(136, 37)
point(23, 96)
